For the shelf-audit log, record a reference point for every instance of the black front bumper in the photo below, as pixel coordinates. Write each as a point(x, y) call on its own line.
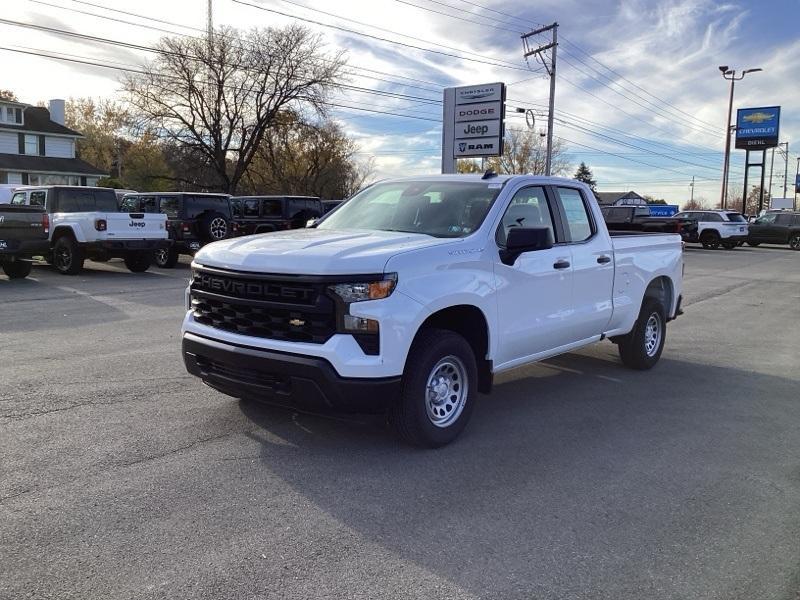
point(289, 379)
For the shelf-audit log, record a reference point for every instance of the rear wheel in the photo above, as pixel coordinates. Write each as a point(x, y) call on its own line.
point(794, 241)
point(710, 239)
point(138, 262)
point(642, 347)
point(18, 269)
point(729, 245)
point(67, 257)
point(165, 258)
point(438, 390)
point(754, 244)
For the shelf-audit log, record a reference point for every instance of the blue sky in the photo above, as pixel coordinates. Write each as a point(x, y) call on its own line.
point(650, 123)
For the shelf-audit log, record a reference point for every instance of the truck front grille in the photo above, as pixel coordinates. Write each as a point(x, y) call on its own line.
point(265, 306)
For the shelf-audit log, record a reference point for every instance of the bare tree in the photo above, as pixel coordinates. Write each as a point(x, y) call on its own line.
point(525, 152)
point(219, 99)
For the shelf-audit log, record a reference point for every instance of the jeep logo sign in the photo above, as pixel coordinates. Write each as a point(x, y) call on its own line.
point(473, 129)
point(136, 224)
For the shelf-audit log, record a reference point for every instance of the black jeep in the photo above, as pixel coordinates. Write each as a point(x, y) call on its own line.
point(193, 220)
point(262, 214)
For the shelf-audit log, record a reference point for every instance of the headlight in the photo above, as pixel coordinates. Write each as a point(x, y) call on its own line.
point(367, 290)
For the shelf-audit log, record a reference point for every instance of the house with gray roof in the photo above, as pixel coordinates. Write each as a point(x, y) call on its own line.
point(619, 198)
point(36, 148)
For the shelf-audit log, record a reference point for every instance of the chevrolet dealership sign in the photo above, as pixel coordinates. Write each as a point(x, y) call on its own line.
point(472, 123)
point(757, 128)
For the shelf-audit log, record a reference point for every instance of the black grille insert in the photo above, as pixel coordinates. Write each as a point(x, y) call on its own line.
point(264, 306)
point(276, 383)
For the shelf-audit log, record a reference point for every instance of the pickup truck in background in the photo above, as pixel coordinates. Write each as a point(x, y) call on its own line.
point(413, 294)
point(85, 223)
point(638, 218)
point(24, 233)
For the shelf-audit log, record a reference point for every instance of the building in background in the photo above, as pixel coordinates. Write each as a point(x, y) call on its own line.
point(619, 198)
point(36, 148)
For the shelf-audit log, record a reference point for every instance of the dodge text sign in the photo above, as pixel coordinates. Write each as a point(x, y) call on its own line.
point(757, 128)
point(472, 124)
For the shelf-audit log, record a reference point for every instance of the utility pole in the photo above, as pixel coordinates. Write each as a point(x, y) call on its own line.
point(786, 169)
point(771, 167)
point(691, 185)
point(210, 22)
point(796, 188)
point(550, 67)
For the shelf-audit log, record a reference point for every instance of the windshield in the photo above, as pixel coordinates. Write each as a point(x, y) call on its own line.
point(436, 208)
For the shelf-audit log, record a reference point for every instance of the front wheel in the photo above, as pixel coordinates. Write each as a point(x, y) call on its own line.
point(794, 241)
point(438, 390)
point(18, 269)
point(642, 347)
point(138, 262)
point(165, 258)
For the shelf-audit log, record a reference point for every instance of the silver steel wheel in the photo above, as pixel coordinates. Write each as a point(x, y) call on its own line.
point(160, 256)
point(218, 228)
point(652, 334)
point(794, 242)
point(446, 391)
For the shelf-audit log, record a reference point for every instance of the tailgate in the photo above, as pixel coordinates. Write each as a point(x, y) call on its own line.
point(21, 225)
point(126, 226)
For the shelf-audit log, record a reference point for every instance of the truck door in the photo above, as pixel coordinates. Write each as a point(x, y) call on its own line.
point(534, 295)
point(592, 266)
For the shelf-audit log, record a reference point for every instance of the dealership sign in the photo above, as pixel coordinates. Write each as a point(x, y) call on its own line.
point(757, 128)
point(472, 123)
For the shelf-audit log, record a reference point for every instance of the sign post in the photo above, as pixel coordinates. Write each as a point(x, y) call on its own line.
point(756, 130)
point(472, 123)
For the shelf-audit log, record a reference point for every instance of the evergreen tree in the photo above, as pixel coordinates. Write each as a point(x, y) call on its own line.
point(584, 174)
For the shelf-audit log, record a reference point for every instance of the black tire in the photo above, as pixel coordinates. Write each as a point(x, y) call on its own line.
point(710, 239)
point(165, 258)
point(730, 245)
point(18, 269)
point(794, 241)
point(442, 354)
point(67, 256)
point(215, 227)
point(101, 258)
point(138, 262)
point(636, 349)
point(754, 244)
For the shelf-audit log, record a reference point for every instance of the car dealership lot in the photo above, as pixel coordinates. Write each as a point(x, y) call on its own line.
point(123, 477)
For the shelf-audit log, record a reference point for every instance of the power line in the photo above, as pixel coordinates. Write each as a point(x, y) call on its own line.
point(491, 62)
point(431, 10)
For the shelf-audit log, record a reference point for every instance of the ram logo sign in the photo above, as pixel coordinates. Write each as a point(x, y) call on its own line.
point(758, 128)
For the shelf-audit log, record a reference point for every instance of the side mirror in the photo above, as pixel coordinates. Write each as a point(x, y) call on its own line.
point(525, 239)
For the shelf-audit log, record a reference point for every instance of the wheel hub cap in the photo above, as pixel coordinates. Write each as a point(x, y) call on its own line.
point(652, 335)
point(446, 391)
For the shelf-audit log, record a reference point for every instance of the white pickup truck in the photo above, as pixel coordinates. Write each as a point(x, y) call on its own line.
point(410, 296)
point(86, 223)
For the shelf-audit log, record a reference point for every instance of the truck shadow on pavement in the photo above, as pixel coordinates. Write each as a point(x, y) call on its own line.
point(575, 477)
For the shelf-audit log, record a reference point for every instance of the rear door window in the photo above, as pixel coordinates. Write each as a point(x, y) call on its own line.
point(18, 198)
point(579, 223)
point(38, 198)
point(295, 208)
point(250, 207)
point(236, 207)
point(105, 201)
point(170, 206)
point(784, 220)
point(272, 207)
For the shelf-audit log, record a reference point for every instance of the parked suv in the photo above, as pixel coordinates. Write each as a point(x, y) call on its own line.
point(776, 228)
point(193, 220)
point(86, 223)
point(262, 214)
point(717, 228)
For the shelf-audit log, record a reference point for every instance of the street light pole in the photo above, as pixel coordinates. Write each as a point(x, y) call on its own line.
point(796, 177)
point(730, 75)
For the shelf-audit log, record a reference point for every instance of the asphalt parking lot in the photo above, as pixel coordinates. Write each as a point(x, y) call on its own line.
point(122, 477)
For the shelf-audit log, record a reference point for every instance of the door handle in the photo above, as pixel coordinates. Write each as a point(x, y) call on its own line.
point(561, 264)
point(603, 260)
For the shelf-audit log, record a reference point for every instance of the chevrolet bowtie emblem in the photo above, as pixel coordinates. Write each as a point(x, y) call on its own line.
point(296, 322)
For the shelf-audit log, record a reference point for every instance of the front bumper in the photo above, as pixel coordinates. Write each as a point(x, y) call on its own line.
point(283, 378)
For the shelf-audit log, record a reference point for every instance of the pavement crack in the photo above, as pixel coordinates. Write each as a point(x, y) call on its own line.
point(179, 449)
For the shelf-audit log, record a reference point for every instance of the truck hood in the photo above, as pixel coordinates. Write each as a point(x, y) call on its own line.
point(314, 251)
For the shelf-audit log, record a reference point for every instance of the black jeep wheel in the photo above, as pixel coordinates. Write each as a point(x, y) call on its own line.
point(138, 262)
point(67, 256)
point(165, 258)
point(794, 241)
point(17, 269)
point(710, 239)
